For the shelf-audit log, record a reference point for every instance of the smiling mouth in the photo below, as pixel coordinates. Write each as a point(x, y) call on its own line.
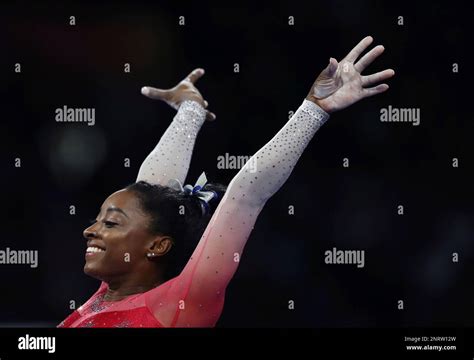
point(92, 250)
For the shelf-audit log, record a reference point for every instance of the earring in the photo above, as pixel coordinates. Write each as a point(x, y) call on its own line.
point(150, 255)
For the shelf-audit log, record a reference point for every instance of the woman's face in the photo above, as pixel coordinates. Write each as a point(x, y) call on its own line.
point(117, 243)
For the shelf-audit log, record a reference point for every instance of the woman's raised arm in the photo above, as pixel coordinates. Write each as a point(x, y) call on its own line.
point(171, 157)
point(198, 292)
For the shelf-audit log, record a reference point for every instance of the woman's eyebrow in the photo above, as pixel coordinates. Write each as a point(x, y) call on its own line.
point(113, 208)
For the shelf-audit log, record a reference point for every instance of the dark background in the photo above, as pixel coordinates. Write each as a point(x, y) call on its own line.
point(408, 257)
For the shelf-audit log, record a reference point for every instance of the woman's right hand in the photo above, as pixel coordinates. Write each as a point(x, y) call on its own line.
point(184, 90)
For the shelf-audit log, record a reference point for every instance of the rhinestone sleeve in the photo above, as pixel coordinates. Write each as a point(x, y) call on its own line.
point(199, 290)
point(171, 157)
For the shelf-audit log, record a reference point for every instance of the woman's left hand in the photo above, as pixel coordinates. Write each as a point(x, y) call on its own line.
point(184, 90)
point(341, 84)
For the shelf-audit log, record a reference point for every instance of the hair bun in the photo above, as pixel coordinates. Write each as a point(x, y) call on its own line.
point(219, 191)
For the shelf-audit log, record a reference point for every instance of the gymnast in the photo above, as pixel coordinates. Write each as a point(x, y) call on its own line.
point(141, 230)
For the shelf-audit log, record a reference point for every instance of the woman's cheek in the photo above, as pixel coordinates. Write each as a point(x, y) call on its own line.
point(123, 255)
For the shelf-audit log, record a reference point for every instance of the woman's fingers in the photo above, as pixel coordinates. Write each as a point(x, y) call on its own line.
point(194, 75)
point(359, 49)
point(154, 93)
point(367, 59)
point(377, 77)
point(210, 116)
point(374, 90)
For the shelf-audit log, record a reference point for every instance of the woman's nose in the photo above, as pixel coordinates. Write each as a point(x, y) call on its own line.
point(90, 232)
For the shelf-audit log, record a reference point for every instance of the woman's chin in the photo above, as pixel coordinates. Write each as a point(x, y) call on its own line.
point(91, 270)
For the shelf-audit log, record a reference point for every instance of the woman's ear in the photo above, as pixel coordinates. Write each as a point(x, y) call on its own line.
point(160, 246)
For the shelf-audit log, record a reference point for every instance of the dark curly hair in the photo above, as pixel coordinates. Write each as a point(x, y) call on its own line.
point(177, 215)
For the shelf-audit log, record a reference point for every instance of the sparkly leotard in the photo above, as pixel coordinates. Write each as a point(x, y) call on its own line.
point(195, 298)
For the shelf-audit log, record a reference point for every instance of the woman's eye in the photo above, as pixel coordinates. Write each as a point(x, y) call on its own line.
point(110, 224)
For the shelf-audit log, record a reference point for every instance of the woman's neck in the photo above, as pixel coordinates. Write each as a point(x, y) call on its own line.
point(118, 290)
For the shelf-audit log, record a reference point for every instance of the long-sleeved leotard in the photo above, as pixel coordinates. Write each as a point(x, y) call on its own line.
point(200, 288)
point(195, 297)
point(171, 157)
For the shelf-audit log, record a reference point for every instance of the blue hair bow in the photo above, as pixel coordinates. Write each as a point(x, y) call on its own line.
point(203, 195)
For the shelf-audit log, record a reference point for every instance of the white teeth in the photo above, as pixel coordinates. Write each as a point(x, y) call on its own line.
point(94, 249)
